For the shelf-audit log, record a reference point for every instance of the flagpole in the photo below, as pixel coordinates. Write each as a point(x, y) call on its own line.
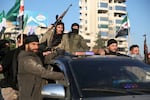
point(129, 38)
point(21, 18)
point(145, 50)
point(129, 35)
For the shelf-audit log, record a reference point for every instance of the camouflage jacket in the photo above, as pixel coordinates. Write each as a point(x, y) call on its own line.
point(77, 43)
point(48, 36)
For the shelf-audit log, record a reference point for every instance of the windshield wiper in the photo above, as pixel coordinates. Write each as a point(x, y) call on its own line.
point(139, 91)
point(105, 90)
point(122, 91)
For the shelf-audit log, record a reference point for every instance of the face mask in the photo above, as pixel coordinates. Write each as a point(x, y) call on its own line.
point(75, 30)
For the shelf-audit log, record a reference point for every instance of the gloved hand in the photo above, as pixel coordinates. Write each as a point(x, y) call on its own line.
point(60, 51)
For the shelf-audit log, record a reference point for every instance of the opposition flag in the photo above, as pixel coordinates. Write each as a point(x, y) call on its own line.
point(123, 30)
point(21, 15)
point(25, 21)
point(13, 12)
point(2, 23)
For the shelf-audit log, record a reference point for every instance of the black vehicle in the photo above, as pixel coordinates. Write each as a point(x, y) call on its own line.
point(100, 78)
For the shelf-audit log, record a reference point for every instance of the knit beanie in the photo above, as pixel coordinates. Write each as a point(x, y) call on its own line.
point(31, 38)
point(111, 41)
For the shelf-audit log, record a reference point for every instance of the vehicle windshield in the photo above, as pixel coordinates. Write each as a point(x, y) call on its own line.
point(111, 76)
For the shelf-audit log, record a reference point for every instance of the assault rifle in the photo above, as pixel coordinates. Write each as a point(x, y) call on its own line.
point(59, 18)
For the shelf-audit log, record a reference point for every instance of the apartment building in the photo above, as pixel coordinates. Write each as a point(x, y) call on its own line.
point(102, 17)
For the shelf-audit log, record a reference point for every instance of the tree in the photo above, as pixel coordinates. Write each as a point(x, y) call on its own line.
point(100, 43)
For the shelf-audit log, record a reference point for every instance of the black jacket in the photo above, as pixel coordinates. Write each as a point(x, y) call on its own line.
point(108, 52)
point(10, 67)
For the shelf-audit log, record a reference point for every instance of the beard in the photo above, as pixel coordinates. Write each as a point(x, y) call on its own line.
point(31, 49)
point(75, 31)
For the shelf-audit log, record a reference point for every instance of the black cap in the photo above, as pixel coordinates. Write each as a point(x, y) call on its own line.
point(31, 38)
point(111, 41)
point(75, 24)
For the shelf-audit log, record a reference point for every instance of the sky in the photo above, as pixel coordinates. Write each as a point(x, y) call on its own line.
point(138, 13)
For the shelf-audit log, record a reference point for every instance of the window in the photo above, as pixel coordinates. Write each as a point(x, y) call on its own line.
point(102, 26)
point(103, 33)
point(85, 28)
point(110, 28)
point(121, 49)
point(110, 8)
point(117, 28)
point(87, 40)
point(118, 21)
point(110, 21)
point(120, 8)
point(85, 21)
point(104, 5)
point(103, 19)
point(86, 8)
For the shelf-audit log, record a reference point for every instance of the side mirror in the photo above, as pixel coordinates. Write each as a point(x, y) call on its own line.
point(53, 91)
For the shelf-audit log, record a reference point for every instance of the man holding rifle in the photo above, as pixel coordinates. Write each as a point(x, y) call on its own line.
point(55, 38)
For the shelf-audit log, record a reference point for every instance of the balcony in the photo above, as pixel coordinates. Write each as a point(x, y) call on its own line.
point(119, 13)
point(102, 11)
point(120, 1)
point(102, 6)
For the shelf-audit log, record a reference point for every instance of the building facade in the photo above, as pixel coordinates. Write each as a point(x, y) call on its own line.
point(102, 17)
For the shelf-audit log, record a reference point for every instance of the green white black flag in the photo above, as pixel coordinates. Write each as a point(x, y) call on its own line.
point(2, 23)
point(123, 30)
point(13, 12)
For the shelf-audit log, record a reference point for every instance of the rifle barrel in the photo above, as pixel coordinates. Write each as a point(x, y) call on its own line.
point(60, 17)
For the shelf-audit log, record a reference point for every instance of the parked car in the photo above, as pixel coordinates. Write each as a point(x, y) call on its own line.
point(100, 78)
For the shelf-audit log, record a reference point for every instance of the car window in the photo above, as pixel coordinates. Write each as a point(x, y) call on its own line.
point(109, 74)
